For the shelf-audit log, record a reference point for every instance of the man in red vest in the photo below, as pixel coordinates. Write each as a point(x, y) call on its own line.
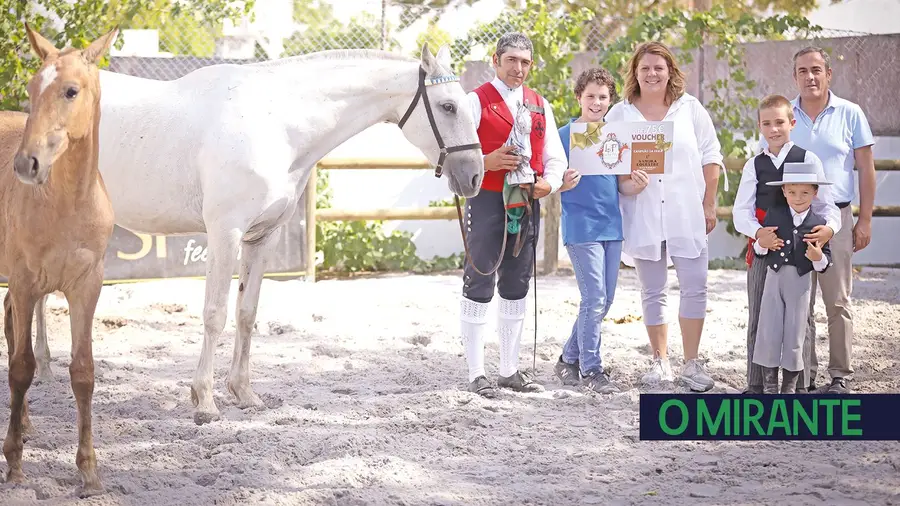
point(496, 105)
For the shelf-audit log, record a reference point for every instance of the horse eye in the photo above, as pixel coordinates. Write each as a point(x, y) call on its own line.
point(71, 93)
point(449, 107)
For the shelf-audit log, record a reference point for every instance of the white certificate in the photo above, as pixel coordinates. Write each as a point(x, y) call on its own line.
point(621, 147)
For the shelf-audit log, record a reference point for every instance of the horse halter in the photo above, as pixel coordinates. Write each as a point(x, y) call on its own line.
point(422, 92)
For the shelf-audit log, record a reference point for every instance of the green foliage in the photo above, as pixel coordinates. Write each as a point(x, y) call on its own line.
point(415, 9)
point(434, 36)
point(84, 21)
point(733, 102)
point(323, 31)
point(556, 40)
point(447, 202)
point(358, 246)
point(182, 31)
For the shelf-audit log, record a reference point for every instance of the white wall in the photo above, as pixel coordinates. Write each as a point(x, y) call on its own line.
point(366, 189)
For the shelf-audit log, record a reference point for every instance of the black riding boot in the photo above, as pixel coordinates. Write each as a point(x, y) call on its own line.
point(770, 380)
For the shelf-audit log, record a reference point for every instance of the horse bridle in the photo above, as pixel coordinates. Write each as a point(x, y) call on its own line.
point(423, 93)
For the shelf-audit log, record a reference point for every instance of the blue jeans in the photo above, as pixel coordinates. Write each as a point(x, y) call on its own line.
point(596, 267)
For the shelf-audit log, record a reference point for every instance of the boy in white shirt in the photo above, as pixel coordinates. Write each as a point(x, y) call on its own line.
point(755, 197)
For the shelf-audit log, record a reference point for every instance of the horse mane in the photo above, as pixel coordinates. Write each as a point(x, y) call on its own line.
point(336, 54)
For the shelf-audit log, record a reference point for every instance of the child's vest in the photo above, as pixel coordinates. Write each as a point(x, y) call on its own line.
point(794, 250)
point(767, 196)
point(496, 125)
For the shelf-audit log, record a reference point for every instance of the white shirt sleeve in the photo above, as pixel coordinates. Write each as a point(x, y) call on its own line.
point(475, 107)
point(744, 209)
point(554, 156)
point(759, 249)
point(823, 202)
point(820, 264)
point(707, 141)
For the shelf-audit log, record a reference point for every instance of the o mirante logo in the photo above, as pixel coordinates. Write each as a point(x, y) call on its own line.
point(776, 417)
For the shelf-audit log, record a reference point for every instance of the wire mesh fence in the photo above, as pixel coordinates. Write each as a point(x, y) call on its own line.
point(170, 42)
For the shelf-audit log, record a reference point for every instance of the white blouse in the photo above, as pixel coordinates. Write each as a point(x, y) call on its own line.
point(670, 208)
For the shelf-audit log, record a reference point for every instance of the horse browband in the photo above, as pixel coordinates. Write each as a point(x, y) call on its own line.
point(421, 92)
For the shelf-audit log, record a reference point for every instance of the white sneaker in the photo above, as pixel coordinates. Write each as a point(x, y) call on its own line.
point(694, 376)
point(660, 371)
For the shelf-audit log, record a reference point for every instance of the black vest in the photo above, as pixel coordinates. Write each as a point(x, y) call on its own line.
point(767, 196)
point(793, 252)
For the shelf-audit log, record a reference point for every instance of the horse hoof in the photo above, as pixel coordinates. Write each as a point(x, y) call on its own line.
point(44, 376)
point(15, 477)
point(203, 417)
point(86, 491)
point(250, 401)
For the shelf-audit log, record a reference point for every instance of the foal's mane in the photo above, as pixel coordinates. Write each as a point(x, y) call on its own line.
point(336, 54)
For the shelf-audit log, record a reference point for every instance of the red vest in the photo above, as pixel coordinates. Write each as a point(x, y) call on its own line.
point(496, 124)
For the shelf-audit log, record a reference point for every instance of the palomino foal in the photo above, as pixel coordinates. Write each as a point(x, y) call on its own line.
point(55, 229)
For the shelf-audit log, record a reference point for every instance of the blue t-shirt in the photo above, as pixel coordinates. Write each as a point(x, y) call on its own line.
point(590, 211)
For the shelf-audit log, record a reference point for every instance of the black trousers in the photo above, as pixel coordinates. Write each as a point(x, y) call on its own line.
point(484, 222)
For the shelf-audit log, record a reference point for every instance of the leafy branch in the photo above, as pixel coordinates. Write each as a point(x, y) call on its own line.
point(733, 102)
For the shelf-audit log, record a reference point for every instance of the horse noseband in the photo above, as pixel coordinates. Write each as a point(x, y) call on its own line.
point(423, 93)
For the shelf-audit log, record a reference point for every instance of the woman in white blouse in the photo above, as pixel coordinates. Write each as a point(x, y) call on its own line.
point(669, 215)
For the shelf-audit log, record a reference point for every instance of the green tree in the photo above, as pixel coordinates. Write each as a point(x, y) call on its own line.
point(434, 36)
point(730, 100)
point(556, 40)
point(415, 9)
point(83, 21)
point(322, 31)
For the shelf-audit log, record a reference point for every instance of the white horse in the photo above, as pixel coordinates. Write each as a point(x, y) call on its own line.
point(227, 150)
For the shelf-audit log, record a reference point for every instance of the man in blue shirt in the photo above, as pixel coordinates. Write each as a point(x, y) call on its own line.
point(837, 131)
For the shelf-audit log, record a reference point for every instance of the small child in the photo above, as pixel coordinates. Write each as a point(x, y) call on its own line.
point(775, 118)
point(789, 258)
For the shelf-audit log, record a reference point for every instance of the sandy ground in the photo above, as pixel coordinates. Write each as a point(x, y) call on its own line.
point(364, 385)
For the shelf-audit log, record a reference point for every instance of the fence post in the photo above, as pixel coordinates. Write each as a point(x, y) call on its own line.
point(311, 224)
point(551, 233)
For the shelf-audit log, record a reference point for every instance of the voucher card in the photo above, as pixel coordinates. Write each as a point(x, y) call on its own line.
point(620, 147)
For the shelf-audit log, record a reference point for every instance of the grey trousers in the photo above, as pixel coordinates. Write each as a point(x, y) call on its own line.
point(782, 320)
point(756, 281)
point(484, 219)
point(837, 284)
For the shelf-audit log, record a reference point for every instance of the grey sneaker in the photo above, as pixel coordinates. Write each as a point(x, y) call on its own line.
point(482, 387)
point(694, 376)
point(599, 382)
point(520, 382)
point(567, 373)
point(660, 371)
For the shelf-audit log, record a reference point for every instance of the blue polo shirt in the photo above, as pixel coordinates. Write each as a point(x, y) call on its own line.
point(590, 211)
point(835, 133)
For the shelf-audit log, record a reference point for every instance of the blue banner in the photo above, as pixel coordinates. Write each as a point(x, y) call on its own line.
point(743, 417)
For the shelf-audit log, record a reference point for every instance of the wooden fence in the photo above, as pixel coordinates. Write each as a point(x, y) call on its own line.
point(550, 211)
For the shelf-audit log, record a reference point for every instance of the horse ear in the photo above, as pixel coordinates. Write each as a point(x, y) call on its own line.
point(94, 52)
point(428, 61)
point(41, 46)
point(443, 56)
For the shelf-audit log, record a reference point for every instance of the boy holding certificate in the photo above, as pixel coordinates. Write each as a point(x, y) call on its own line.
point(592, 235)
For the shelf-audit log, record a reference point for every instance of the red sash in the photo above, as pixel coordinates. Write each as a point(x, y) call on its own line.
point(760, 216)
